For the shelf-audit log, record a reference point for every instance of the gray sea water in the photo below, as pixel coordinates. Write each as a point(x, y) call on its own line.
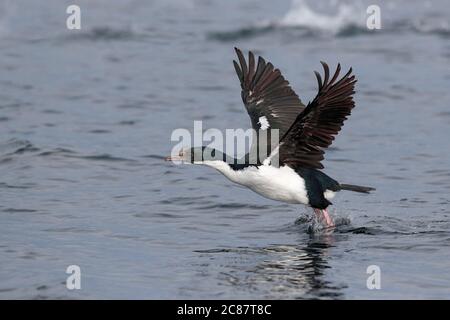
point(86, 118)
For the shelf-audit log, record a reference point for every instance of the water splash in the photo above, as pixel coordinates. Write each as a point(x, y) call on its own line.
point(343, 19)
point(339, 19)
point(302, 15)
point(438, 25)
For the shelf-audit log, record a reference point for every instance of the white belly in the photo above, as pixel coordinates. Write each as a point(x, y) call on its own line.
point(281, 184)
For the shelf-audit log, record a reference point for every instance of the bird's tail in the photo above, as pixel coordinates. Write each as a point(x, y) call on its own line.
point(351, 187)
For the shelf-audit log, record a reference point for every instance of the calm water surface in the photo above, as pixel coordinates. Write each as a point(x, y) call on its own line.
point(86, 116)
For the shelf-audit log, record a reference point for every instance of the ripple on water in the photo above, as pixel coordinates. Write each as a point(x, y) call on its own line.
point(19, 210)
point(15, 147)
point(99, 131)
point(104, 33)
point(57, 151)
point(127, 122)
point(234, 205)
point(22, 186)
point(185, 201)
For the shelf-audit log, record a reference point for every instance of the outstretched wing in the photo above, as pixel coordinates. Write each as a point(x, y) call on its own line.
point(315, 128)
point(266, 94)
point(270, 101)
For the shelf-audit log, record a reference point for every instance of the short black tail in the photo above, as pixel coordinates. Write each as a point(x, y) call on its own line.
point(352, 187)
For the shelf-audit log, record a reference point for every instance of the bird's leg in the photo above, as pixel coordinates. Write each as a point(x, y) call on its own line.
point(327, 217)
point(319, 214)
point(322, 214)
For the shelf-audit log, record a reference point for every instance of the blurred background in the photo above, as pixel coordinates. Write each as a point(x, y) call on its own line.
point(86, 118)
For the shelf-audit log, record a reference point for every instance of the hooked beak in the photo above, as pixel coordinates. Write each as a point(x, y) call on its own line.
point(173, 158)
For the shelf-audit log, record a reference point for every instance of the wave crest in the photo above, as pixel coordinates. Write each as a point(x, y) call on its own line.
point(341, 20)
point(301, 15)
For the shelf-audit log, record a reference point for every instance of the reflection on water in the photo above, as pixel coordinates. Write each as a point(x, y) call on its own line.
point(288, 271)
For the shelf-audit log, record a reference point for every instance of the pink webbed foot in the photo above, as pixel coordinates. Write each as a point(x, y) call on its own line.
point(328, 219)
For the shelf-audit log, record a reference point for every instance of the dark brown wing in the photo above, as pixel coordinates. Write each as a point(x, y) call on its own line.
point(315, 128)
point(267, 96)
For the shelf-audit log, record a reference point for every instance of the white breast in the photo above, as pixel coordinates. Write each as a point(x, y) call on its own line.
point(282, 184)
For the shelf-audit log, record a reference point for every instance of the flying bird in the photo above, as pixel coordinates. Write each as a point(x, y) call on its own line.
point(291, 171)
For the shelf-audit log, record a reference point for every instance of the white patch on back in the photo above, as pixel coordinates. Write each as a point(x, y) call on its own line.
point(328, 194)
point(268, 160)
point(263, 123)
point(281, 184)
